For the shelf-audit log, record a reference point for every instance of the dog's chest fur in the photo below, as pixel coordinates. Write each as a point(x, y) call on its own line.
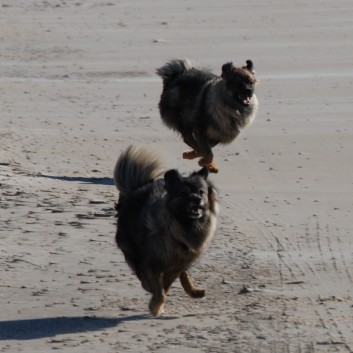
point(180, 243)
point(226, 121)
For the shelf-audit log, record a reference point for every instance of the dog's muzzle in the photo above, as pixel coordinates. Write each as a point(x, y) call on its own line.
point(196, 208)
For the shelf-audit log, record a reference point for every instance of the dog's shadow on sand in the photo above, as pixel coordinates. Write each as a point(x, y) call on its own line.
point(49, 327)
point(84, 180)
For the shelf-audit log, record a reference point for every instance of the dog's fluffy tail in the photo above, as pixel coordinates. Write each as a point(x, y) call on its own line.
point(136, 167)
point(174, 68)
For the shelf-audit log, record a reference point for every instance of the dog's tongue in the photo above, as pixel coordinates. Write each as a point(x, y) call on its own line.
point(247, 100)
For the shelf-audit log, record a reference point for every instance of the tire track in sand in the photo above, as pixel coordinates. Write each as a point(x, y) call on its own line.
point(319, 263)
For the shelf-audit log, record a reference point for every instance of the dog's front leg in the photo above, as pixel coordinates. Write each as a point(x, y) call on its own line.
point(156, 305)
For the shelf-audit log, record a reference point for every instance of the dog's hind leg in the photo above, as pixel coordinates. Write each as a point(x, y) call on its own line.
point(205, 151)
point(189, 287)
point(190, 141)
point(156, 305)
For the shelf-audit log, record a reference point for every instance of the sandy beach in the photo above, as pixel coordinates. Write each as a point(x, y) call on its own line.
point(78, 85)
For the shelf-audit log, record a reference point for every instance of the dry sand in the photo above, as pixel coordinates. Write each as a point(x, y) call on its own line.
point(77, 86)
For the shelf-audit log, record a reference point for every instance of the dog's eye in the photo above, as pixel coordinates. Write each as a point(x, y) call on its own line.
point(201, 192)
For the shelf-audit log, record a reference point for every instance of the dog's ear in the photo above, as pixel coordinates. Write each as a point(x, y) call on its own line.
point(249, 66)
point(171, 179)
point(202, 173)
point(227, 69)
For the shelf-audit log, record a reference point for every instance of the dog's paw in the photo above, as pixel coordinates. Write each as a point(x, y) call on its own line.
point(157, 310)
point(156, 306)
point(212, 167)
point(197, 293)
point(190, 154)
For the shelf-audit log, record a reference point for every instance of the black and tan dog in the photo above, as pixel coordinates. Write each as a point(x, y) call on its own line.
point(164, 224)
point(207, 109)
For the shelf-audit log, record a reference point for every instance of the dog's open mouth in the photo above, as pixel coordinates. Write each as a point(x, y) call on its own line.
point(244, 99)
point(196, 211)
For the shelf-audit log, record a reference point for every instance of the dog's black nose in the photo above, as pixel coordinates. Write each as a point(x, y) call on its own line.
point(249, 91)
point(196, 199)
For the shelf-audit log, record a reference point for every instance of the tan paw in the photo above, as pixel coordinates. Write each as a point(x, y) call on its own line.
point(212, 167)
point(190, 154)
point(156, 309)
